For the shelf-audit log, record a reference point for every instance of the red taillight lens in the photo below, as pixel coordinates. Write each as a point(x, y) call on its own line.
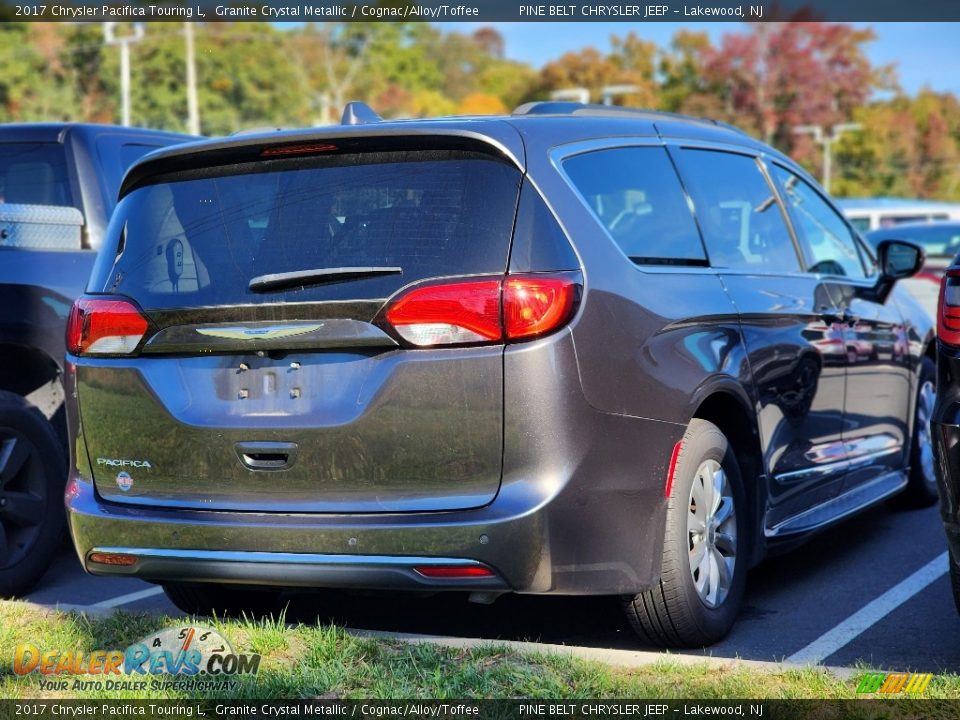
point(484, 311)
point(454, 571)
point(104, 327)
point(536, 305)
point(948, 312)
point(456, 313)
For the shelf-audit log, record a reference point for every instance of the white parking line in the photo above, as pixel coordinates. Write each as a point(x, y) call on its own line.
point(128, 598)
point(832, 640)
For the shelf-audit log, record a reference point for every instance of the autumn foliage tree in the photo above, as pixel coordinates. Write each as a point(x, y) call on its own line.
point(766, 78)
point(780, 75)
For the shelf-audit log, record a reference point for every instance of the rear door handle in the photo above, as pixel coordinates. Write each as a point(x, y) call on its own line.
point(269, 456)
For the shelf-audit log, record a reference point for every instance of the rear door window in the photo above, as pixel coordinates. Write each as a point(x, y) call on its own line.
point(637, 197)
point(741, 220)
point(200, 240)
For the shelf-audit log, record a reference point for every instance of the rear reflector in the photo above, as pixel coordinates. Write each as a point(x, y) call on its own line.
point(454, 571)
point(103, 558)
point(948, 312)
point(104, 327)
point(672, 470)
point(484, 310)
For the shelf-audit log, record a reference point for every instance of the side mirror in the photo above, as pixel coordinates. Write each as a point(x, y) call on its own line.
point(899, 259)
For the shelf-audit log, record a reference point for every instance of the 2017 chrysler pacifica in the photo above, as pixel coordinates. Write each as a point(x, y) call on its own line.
point(575, 350)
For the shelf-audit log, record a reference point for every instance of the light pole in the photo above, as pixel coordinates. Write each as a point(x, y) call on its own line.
point(826, 141)
point(109, 38)
point(193, 107)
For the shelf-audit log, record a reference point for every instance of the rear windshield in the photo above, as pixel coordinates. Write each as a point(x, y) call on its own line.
point(200, 241)
point(34, 174)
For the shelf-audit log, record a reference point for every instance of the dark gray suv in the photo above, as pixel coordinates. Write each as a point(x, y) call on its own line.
point(576, 350)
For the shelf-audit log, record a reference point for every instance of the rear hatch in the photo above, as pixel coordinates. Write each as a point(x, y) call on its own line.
point(265, 376)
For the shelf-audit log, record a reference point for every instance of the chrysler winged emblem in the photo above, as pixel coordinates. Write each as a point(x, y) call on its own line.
point(271, 332)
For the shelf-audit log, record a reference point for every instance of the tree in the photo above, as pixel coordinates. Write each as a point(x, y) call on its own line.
point(681, 70)
point(778, 76)
point(631, 62)
point(908, 147)
point(481, 104)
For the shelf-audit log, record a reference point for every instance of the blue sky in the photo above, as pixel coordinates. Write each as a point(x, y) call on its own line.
point(926, 54)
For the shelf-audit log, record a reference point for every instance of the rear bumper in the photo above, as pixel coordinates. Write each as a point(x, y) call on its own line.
point(295, 569)
point(580, 510)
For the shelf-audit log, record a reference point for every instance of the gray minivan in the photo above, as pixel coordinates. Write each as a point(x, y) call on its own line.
point(575, 350)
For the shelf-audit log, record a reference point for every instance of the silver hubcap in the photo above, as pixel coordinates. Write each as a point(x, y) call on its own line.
point(925, 402)
point(712, 533)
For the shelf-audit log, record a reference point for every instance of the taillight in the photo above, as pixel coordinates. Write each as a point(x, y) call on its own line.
point(519, 307)
point(948, 310)
point(102, 326)
point(456, 313)
point(534, 305)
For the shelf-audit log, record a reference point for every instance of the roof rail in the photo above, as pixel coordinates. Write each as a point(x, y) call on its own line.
point(359, 113)
point(551, 107)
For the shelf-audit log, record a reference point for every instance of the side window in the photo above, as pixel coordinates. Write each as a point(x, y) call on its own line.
point(827, 240)
point(637, 197)
point(741, 220)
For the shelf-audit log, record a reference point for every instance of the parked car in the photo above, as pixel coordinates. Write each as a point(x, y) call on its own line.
point(867, 214)
point(946, 417)
point(940, 241)
point(575, 350)
point(58, 185)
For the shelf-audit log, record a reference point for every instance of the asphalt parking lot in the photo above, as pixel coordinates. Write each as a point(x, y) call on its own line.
point(873, 590)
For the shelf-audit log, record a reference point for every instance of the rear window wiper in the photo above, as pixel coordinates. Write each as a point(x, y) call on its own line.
point(318, 276)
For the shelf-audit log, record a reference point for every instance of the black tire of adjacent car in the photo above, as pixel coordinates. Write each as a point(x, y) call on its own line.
point(222, 600)
point(921, 491)
point(954, 578)
point(33, 472)
point(672, 614)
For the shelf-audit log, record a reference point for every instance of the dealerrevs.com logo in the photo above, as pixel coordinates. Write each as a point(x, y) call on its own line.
point(184, 658)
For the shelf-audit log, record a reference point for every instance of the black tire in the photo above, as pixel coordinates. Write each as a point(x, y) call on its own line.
point(222, 600)
point(33, 474)
point(954, 581)
point(673, 613)
point(921, 490)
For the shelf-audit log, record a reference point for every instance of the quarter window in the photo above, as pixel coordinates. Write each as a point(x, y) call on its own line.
point(637, 197)
point(827, 240)
point(741, 221)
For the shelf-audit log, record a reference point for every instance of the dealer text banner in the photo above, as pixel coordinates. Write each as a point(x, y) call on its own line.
point(487, 11)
